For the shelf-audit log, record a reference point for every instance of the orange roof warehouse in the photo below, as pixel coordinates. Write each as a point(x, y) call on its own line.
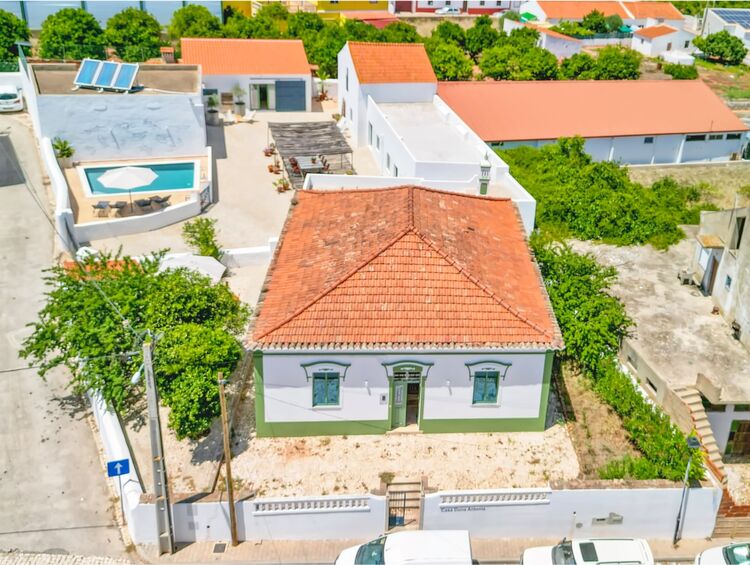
point(637, 122)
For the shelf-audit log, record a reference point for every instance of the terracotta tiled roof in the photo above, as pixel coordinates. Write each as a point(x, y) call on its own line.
point(655, 31)
point(552, 33)
point(597, 108)
point(246, 56)
point(575, 10)
point(403, 267)
point(379, 63)
point(664, 10)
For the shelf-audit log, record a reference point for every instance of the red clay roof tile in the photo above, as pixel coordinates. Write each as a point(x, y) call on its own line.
point(380, 63)
point(246, 56)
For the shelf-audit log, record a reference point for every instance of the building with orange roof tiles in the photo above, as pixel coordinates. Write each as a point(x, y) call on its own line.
point(634, 14)
point(662, 39)
point(402, 306)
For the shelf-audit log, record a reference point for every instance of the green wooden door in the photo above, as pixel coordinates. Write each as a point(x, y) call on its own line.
point(398, 413)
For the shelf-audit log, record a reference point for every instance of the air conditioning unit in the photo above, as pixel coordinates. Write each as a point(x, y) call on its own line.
point(685, 276)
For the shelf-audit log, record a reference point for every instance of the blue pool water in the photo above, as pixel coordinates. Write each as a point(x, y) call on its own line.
point(171, 176)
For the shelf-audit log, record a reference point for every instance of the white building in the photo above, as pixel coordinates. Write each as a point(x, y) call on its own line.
point(656, 41)
point(274, 74)
point(736, 21)
point(400, 321)
point(632, 121)
point(387, 97)
point(560, 45)
point(633, 14)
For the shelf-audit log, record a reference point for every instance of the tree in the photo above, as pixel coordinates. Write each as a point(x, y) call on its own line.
point(71, 33)
point(238, 26)
point(399, 32)
point(521, 38)
point(618, 63)
point(357, 30)
point(507, 62)
point(613, 22)
point(450, 62)
point(134, 34)
point(728, 49)
point(300, 23)
point(480, 36)
point(194, 20)
point(80, 327)
point(538, 64)
point(595, 22)
point(12, 29)
point(580, 66)
point(323, 48)
point(272, 11)
point(450, 32)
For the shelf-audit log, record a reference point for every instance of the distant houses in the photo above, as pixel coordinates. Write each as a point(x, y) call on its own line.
point(633, 14)
point(735, 21)
point(656, 41)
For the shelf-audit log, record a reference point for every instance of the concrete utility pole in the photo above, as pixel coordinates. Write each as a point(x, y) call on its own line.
point(165, 529)
point(227, 460)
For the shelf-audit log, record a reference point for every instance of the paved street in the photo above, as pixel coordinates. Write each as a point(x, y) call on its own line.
point(53, 495)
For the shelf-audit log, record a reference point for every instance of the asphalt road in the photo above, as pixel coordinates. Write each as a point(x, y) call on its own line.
point(53, 494)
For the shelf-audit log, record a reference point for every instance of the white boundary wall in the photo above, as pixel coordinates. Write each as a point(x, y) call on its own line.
point(586, 512)
point(64, 218)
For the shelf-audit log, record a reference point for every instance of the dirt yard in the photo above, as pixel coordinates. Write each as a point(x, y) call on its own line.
point(353, 464)
point(594, 428)
point(724, 178)
point(729, 82)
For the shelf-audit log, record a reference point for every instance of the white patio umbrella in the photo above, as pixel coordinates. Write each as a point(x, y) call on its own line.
point(207, 266)
point(128, 178)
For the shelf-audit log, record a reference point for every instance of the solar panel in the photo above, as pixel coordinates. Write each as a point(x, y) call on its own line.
point(735, 16)
point(86, 72)
point(106, 74)
point(126, 76)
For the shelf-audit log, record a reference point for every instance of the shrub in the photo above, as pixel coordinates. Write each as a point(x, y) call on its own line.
point(71, 33)
point(681, 72)
point(12, 29)
point(618, 63)
point(200, 234)
point(723, 46)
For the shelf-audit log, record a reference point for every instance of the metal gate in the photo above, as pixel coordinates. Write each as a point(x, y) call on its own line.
point(396, 509)
point(290, 95)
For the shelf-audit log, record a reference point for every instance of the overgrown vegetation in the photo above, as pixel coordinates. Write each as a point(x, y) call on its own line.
point(722, 47)
point(681, 72)
point(593, 322)
point(586, 199)
point(200, 234)
point(593, 23)
point(196, 327)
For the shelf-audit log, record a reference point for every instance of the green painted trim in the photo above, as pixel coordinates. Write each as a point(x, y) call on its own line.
point(340, 364)
point(421, 400)
point(409, 352)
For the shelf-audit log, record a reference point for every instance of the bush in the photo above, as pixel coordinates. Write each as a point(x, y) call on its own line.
point(71, 33)
point(508, 62)
point(580, 66)
point(449, 62)
point(723, 46)
point(681, 72)
point(595, 22)
point(134, 34)
point(194, 20)
point(449, 32)
point(12, 29)
point(200, 234)
point(618, 63)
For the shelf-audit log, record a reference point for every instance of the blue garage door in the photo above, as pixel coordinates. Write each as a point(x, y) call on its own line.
point(290, 95)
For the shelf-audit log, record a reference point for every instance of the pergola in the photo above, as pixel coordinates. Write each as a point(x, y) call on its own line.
point(300, 139)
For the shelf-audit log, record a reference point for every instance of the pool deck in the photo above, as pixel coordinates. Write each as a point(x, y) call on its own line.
point(82, 204)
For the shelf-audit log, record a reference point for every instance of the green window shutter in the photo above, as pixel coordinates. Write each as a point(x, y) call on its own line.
point(485, 387)
point(325, 389)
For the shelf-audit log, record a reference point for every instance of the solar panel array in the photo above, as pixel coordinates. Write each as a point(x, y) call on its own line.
point(734, 16)
point(106, 75)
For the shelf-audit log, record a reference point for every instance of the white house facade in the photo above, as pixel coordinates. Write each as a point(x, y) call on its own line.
point(399, 323)
point(634, 14)
point(560, 45)
point(735, 21)
point(655, 41)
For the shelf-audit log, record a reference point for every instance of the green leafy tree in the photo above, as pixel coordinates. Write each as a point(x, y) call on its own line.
point(613, 22)
point(301, 23)
point(80, 329)
point(357, 30)
point(480, 36)
point(595, 22)
point(239, 26)
point(272, 11)
point(400, 32)
point(323, 48)
point(574, 29)
point(580, 66)
point(134, 34)
point(449, 32)
point(12, 29)
point(723, 46)
point(618, 63)
point(194, 20)
point(450, 62)
point(200, 234)
point(507, 62)
point(71, 33)
point(521, 38)
point(693, 8)
point(512, 15)
point(681, 72)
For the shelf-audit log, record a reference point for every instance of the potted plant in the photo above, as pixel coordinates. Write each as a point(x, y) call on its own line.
point(239, 99)
point(323, 95)
point(282, 185)
point(63, 151)
point(212, 114)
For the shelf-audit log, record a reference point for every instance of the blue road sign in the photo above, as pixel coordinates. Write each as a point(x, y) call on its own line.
point(117, 468)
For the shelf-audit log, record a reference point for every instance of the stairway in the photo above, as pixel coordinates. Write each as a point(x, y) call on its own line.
point(692, 399)
point(404, 505)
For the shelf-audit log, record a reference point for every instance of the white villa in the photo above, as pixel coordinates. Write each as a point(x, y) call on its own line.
point(402, 306)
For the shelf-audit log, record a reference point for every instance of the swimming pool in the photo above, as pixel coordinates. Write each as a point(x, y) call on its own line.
point(180, 175)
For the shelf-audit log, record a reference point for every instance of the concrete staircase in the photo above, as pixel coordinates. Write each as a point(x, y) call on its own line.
point(692, 399)
point(733, 520)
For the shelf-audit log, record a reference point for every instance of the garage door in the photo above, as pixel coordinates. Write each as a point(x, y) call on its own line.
point(290, 95)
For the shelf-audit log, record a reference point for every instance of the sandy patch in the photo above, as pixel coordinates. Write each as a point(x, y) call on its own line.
point(738, 481)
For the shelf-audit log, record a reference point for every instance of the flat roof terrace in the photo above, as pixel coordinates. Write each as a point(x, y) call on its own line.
point(57, 78)
point(427, 134)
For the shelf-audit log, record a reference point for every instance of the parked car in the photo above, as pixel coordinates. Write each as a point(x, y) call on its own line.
point(10, 99)
point(448, 547)
point(448, 11)
point(733, 554)
point(591, 552)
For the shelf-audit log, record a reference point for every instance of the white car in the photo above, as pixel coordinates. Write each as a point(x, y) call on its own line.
point(734, 554)
point(427, 547)
point(448, 11)
point(591, 552)
point(10, 99)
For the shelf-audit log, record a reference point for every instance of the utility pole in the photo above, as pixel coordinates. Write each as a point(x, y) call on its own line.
point(165, 530)
point(227, 460)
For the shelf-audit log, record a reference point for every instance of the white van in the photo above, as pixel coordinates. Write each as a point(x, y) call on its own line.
point(437, 547)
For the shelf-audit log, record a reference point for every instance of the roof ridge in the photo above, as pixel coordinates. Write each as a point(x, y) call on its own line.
point(464, 271)
point(385, 43)
point(324, 192)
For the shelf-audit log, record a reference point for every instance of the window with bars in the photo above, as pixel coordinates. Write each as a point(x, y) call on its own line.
point(326, 388)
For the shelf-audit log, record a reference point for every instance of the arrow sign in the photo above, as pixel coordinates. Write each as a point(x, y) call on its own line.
point(117, 468)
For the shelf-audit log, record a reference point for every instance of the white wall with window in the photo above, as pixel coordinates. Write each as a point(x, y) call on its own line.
point(680, 40)
point(723, 419)
point(259, 91)
point(335, 386)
